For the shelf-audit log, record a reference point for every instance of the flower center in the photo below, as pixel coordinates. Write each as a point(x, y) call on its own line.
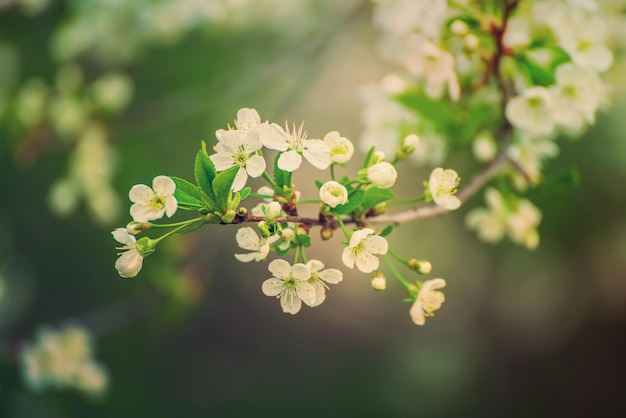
point(157, 202)
point(448, 183)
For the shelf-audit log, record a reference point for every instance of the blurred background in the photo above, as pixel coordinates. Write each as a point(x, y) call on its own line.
point(522, 333)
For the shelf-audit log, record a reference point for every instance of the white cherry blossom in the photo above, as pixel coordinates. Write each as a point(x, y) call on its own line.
point(532, 112)
point(290, 283)
point(341, 149)
point(151, 204)
point(293, 144)
point(248, 239)
point(443, 185)
point(361, 249)
point(130, 261)
point(237, 149)
point(382, 174)
point(333, 193)
point(321, 278)
point(428, 300)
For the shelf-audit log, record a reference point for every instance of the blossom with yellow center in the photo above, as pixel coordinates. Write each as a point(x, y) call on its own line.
point(428, 300)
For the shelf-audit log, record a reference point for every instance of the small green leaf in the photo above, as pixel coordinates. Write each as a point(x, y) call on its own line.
point(279, 175)
point(245, 192)
point(368, 157)
point(222, 183)
point(560, 180)
point(284, 252)
point(304, 240)
point(354, 201)
point(386, 231)
point(318, 184)
point(187, 194)
point(374, 196)
point(204, 171)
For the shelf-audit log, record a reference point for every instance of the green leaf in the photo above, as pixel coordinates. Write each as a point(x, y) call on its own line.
point(245, 192)
point(304, 240)
point(368, 157)
point(386, 231)
point(279, 175)
point(374, 196)
point(191, 228)
point(221, 186)
point(354, 201)
point(204, 171)
point(538, 74)
point(560, 180)
point(187, 194)
point(318, 184)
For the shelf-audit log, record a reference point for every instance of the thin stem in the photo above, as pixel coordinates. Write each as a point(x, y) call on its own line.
point(343, 228)
point(332, 172)
point(175, 230)
point(309, 201)
point(296, 252)
point(395, 272)
point(187, 222)
point(304, 260)
point(397, 257)
point(267, 177)
point(260, 196)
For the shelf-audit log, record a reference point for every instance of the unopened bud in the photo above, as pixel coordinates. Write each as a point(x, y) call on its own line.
point(302, 230)
point(459, 28)
point(272, 211)
point(137, 228)
point(290, 209)
point(242, 212)
point(420, 266)
point(146, 246)
point(471, 41)
point(326, 233)
point(377, 157)
point(379, 282)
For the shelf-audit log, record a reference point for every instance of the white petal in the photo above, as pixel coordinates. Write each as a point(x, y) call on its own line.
point(274, 137)
point(248, 239)
point(289, 161)
point(376, 244)
point(448, 201)
point(317, 153)
point(240, 180)
point(123, 236)
point(140, 193)
point(143, 213)
point(306, 292)
point(171, 204)
point(332, 276)
point(163, 185)
point(263, 252)
point(417, 313)
point(272, 287)
point(290, 302)
point(222, 161)
point(129, 264)
point(280, 268)
point(347, 257)
point(245, 258)
point(255, 166)
point(315, 265)
point(366, 262)
point(300, 272)
point(320, 294)
point(358, 236)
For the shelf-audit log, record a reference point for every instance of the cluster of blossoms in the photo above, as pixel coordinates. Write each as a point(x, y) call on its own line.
point(222, 184)
point(506, 77)
point(63, 358)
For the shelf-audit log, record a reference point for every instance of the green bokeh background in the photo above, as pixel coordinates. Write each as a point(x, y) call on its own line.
point(521, 333)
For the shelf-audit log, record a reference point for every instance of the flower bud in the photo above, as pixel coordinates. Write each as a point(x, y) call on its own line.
point(382, 174)
point(379, 282)
point(287, 234)
point(272, 211)
point(137, 228)
point(146, 246)
point(290, 208)
point(459, 28)
point(333, 194)
point(420, 266)
point(377, 157)
point(242, 212)
point(326, 233)
point(484, 147)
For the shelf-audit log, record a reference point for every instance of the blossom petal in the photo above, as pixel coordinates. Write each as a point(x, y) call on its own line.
point(347, 257)
point(332, 276)
point(360, 235)
point(171, 204)
point(274, 137)
point(290, 302)
point(300, 272)
point(376, 244)
point(289, 161)
point(417, 313)
point(248, 239)
point(140, 193)
point(366, 262)
point(315, 265)
point(143, 213)
point(247, 257)
point(317, 153)
point(163, 185)
point(280, 268)
point(222, 161)
point(129, 264)
point(240, 180)
point(307, 293)
point(255, 166)
point(123, 236)
point(272, 287)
